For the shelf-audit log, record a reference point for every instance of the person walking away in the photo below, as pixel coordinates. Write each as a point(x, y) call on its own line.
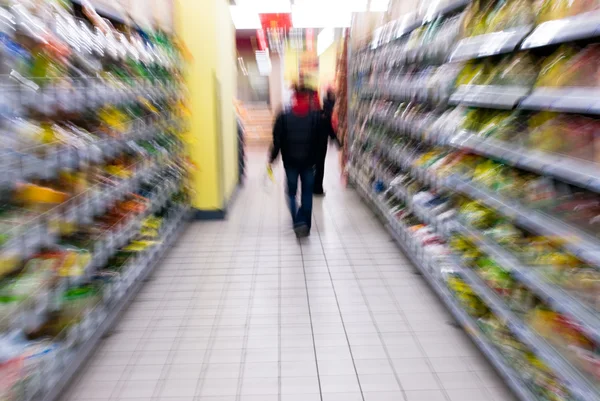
point(328, 132)
point(295, 135)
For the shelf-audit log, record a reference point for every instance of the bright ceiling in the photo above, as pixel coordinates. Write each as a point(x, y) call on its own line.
point(305, 13)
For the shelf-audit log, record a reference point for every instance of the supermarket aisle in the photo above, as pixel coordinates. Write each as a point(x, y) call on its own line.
point(240, 311)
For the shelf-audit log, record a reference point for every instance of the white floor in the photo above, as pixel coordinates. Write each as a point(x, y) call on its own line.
point(241, 311)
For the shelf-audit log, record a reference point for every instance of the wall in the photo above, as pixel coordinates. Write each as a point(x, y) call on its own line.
point(207, 31)
point(226, 71)
point(327, 67)
point(276, 83)
point(291, 61)
point(252, 87)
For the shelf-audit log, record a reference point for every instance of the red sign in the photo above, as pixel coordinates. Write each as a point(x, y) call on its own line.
point(261, 39)
point(270, 21)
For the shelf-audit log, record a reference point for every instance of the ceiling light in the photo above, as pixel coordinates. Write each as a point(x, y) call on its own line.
point(266, 6)
point(337, 5)
point(379, 5)
point(316, 16)
point(244, 18)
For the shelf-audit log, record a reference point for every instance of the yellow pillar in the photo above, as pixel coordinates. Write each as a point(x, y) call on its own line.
point(208, 32)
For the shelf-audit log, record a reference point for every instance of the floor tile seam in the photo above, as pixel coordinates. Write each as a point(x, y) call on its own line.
point(249, 315)
point(250, 301)
point(374, 323)
point(136, 355)
point(415, 336)
point(279, 342)
point(212, 338)
point(179, 338)
point(312, 331)
point(413, 333)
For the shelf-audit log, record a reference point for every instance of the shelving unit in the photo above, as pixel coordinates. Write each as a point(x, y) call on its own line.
point(402, 111)
point(425, 266)
point(94, 192)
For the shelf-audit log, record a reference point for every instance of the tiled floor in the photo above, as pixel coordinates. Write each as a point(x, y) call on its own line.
point(241, 311)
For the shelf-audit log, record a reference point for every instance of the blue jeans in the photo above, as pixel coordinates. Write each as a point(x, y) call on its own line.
point(303, 215)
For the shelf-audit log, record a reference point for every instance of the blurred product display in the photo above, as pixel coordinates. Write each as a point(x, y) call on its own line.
point(477, 143)
point(93, 183)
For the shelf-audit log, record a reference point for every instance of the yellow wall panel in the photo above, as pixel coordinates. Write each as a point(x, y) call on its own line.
point(227, 82)
point(196, 25)
point(327, 67)
point(291, 64)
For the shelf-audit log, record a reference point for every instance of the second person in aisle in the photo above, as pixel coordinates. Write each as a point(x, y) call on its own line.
point(296, 135)
point(326, 134)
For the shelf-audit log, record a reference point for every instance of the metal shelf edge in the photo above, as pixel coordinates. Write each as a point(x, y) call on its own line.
point(505, 371)
point(579, 243)
point(88, 348)
point(558, 299)
point(574, 381)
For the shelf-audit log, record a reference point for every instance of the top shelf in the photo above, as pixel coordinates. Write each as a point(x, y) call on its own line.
point(396, 29)
point(578, 27)
point(581, 26)
point(442, 8)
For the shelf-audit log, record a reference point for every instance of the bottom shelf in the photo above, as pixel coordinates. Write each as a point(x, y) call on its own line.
point(421, 262)
point(104, 318)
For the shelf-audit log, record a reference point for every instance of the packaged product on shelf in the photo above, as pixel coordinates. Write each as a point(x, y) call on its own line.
point(473, 305)
point(506, 234)
point(487, 16)
point(495, 276)
point(474, 72)
point(570, 66)
point(558, 9)
point(568, 337)
point(571, 135)
point(520, 69)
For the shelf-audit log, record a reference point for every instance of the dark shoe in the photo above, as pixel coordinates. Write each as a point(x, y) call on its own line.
point(319, 193)
point(302, 231)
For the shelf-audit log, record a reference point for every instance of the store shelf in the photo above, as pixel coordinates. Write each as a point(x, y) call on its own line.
point(489, 44)
point(575, 171)
point(27, 238)
point(407, 24)
point(422, 264)
point(580, 244)
point(425, 129)
point(89, 93)
point(578, 27)
point(32, 312)
point(405, 92)
point(493, 96)
point(554, 296)
point(85, 337)
point(570, 100)
point(44, 162)
point(572, 378)
point(440, 8)
point(511, 376)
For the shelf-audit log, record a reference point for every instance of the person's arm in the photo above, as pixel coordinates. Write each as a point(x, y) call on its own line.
point(278, 128)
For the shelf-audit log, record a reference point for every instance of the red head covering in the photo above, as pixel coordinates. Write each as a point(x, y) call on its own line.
point(301, 103)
